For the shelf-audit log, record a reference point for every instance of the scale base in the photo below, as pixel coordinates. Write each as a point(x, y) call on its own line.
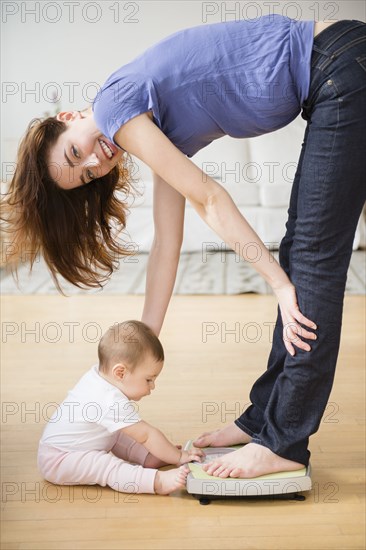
point(205, 500)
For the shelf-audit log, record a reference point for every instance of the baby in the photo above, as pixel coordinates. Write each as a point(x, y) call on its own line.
point(96, 435)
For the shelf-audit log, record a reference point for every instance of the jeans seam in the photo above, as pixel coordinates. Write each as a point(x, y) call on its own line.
point(316, 93)
point(361, 60)
point(333, 39)
point(334, 134)
point(341, 50)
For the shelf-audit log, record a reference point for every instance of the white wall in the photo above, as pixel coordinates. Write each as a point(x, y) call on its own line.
point(76, 44)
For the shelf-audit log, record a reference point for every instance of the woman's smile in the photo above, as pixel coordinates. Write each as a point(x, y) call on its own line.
point(108, 149)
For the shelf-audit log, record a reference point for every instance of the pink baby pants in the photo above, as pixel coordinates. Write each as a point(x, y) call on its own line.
point(100, 467)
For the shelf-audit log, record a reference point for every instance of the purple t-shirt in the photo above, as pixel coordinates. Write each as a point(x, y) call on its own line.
point(238, 78)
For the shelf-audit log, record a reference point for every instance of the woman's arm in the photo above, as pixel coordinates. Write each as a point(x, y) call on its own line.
point(168, 213)
point(142, 138)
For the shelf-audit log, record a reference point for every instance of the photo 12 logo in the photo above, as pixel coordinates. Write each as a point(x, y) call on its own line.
point(42, 491)
point(70, 12)
point(235, 11)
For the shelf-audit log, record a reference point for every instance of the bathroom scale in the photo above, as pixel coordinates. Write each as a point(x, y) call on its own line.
point(281, 485)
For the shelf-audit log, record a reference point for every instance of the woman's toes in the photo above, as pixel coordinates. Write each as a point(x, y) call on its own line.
point(236, 472)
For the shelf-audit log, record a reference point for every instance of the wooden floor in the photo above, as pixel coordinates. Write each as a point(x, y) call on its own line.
point(49, 341)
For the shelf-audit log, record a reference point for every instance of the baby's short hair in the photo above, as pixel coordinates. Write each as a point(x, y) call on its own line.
point(128, 342)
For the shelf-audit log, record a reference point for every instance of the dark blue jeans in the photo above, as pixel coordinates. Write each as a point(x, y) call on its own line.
point(328, 194)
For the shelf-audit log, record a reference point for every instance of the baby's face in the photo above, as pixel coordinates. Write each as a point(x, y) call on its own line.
point(141, 381)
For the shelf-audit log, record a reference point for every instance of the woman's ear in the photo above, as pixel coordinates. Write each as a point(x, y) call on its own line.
point(65, 116)
point(119, 371)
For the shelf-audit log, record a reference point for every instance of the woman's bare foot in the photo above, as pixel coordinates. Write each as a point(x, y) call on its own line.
point(171, 480)
point(250, 461)
point(230, 435)
point(151, 461)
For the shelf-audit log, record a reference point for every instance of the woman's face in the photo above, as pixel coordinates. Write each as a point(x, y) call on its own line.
point(79, 155)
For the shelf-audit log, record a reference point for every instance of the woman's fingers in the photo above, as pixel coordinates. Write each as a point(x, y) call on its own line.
point(293, 331)
point(289, 347)
point(304, 320)
point(302, 332)
point(292, 338)
point(306, 334)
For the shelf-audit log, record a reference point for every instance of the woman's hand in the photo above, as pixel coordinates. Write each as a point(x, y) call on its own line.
point(291, 317)
point(192, 454)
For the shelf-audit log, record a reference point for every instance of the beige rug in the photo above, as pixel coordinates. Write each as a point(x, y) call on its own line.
point(220, 274)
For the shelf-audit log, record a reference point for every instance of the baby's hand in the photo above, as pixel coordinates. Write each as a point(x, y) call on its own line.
point(192, 454)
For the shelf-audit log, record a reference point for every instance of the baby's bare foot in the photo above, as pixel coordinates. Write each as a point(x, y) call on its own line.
point(230, 435)
point(171, 480)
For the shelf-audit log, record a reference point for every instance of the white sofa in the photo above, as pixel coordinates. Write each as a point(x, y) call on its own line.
point(257, 172)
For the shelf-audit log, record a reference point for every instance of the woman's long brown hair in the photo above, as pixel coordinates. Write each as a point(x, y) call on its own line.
point(77, 231)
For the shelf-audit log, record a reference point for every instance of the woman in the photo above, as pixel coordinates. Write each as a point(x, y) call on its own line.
point(241, 78)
